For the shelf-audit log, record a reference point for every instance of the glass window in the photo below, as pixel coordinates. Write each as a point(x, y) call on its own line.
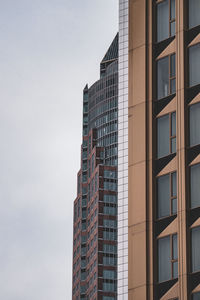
point(166, 76)
point(194, 65)
point(196, 296)
point(195, 186)
point(167, 258)
point(166, 135)
point(166, 19)
point(109, 274)
point(108, 286)
point(163, 77)
point(163, 136)
point(166, 195)
point(195, 249)
point(194, 124)
point(194, 16)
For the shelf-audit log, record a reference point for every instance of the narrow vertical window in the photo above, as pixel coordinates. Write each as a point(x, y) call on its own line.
point(195, 249)
point(194, 65)
point(166, 76)
point(167, 258)
point(166, 14)
point(194, 15)
point(194, 124)
point(163, 136)
point(166, 135)
point(166, 195)
point(195, 186)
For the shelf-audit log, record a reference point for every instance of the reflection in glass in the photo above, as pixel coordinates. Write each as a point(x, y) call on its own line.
point(194, 64)
point(163, 196)
point(163, 20)
point(164, 259)
point(163, 136)
point(194, 15)
point(195, 186)
point(173, 9)
point(163, 77)
point(194, 124)
point(195, 249)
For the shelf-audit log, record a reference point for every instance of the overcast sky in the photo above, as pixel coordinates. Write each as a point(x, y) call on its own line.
point(49, 50)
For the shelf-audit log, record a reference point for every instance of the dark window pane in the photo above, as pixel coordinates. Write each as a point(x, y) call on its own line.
point(175, 269)
point(175, 246)
point(195, 249)
point(195, 124)
point(163, 77)
point(194, 15)
point(173, 145)
point(163, 196)
point(163, 20)
point(173, 86)
point(173, 65)
point(163, 136)
point(194, 64)
point(173, 9)
point(174, 184)
point(173, 28)
point(164, 259)
point(196, 296)
point(174, 206)
point(173, 133)
point(195, 185)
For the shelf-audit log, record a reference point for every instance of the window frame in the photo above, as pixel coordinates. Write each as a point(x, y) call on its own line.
point(171, 136)
point(170, 76)
point(172, 259)
point(170, 19)
point(171, 197)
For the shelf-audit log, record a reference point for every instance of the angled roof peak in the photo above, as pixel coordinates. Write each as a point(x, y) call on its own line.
point(112, 52)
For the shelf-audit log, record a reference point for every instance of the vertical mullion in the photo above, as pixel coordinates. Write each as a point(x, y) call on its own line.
point(169, 74)
point(170, 133)
point(170, 18)
point(170, 193)
point(171, 245)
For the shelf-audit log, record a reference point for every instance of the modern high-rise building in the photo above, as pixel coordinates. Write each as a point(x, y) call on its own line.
point(95, 208)
point(159, 175)
point(158, 166)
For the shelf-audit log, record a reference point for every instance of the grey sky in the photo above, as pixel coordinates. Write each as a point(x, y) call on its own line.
point(49, 49)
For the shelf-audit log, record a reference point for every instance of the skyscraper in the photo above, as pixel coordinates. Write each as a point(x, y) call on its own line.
point(158, 167)
point(95, 208)
point(159, 49)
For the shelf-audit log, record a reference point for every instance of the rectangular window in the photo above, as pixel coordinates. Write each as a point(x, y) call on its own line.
point(109, 287)
point(195, 186)
point(166, 135)
point(166, 15)
point(109, 274)
point(167, 195)
point(109, 235)
point(107, 248)
point(194, 113)
point(109, 223)
point(166, 76)
point(167, 258)
point(109, 210)
point(194, 16)
point(194, 65)
point(195, 249)
point(109, 261)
